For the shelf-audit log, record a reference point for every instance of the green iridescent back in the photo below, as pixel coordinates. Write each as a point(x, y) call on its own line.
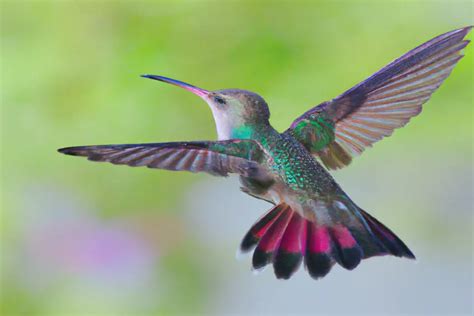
point(294, 164)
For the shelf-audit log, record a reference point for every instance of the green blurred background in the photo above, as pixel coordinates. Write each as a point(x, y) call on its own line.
point(80, 238)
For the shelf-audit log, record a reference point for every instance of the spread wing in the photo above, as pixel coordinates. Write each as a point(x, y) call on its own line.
point(217, 158)
point(342, 128)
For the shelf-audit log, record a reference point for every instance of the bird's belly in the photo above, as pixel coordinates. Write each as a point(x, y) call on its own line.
point(276, 192)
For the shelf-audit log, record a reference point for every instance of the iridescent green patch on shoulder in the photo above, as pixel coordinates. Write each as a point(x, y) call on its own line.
point(242, 132)
point(315, 132)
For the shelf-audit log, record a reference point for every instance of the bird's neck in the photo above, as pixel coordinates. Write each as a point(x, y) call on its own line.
point(243, 130)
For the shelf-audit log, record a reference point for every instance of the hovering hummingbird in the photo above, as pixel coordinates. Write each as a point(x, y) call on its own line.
point(313, 219)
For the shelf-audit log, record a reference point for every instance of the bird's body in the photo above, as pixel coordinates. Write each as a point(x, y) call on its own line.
point(294, 172)
point(312, 218)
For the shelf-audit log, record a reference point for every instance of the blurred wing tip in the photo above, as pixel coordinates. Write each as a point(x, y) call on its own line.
point(467, 29)
point(460, 50)
point(464, 30)
point(72, 151)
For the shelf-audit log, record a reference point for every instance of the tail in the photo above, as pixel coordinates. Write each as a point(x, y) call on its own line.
point(344, 234)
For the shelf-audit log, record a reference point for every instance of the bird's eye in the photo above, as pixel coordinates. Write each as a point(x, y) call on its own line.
point(219, 100)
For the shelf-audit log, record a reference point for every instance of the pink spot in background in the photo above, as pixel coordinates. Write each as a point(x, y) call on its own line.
point(63, 244)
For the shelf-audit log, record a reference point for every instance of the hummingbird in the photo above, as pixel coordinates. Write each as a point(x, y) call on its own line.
point(312, 220)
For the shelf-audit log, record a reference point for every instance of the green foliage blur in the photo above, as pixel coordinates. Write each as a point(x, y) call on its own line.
point(70, 76)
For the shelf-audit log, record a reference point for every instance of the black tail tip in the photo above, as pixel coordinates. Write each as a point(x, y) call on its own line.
point(261, 258)
point(318, 265)
point(248, 242)
point(349, 258)
point(286, 263)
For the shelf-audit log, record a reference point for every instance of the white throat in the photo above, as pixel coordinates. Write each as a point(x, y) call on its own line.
point(223, 124)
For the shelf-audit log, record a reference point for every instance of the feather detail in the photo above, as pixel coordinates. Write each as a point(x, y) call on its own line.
point(385, 101)
point(217, 158)
point(285, 238)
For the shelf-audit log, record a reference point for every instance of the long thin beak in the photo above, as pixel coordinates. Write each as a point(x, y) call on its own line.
point(197, 91)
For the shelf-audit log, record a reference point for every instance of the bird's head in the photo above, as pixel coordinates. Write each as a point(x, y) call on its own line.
point(236, 112)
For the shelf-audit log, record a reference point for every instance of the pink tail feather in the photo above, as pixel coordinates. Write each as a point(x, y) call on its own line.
point(283, 237)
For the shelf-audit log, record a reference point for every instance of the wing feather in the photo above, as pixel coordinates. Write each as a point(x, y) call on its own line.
point(217, 158)
point(385, 101)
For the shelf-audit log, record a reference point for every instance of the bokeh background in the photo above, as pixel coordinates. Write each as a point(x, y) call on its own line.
point(79, 238)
